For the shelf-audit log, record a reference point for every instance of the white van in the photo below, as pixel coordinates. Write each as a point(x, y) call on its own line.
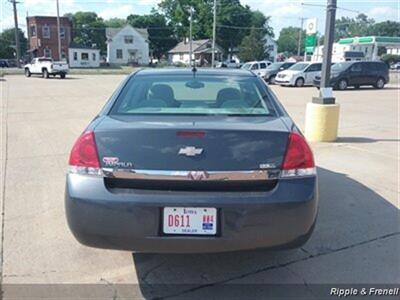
point(258, 67)
point(300, 74)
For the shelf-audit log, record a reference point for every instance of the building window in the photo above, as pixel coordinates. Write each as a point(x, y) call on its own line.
point(75, 55)
point(46, 31)
point(33, 30)
point(119, 54)
point(94, 56)
point(181, 56)
point(128, 39)
point(47, 52)
point(62, 32)
point(84, 56)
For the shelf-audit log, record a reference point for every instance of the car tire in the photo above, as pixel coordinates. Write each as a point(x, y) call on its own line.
point(342, 84)
point(45, 73)
point(62, 75)
point(27, 73)
point(380, 83)
point(271, 80)
point(299, 82)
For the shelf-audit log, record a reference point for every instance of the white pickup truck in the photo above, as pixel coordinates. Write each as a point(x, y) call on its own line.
point(46, 67)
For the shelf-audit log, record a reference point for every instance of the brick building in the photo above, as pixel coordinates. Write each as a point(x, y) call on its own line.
point(43, 38)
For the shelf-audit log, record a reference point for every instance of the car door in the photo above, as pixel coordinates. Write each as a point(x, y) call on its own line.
point(255, 68)
point(263, 68)
point(356, 76)
point(311, 72)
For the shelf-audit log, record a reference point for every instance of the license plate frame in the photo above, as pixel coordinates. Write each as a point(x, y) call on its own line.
point(196, 221)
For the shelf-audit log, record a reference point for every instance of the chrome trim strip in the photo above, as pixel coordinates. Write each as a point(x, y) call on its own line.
point(254, 175)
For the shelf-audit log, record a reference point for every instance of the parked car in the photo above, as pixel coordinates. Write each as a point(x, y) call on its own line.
point(274, 69)
point(395, 66)
point(46, 67)
point(300, 74)
point(3, 63)
point(232, 64)
point(357, 74)
point(181, 160)
point(258, 67)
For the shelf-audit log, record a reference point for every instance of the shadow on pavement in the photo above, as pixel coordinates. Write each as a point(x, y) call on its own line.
point(362, 140)
point(350, 215)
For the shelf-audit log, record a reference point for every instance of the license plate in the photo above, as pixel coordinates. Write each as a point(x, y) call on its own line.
point(190, 220)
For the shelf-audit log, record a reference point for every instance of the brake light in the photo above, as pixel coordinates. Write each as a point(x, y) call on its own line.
point(299, 159)
point(84, 158)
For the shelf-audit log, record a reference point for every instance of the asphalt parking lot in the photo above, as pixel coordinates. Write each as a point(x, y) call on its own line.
point(356, 240)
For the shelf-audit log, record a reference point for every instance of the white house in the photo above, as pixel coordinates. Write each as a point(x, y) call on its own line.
point(127, 45)
point(201, 52)
point(271, 47)
point(83, 57)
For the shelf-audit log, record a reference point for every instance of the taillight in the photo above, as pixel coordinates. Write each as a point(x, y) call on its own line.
point(84, 158)
point(299, 160)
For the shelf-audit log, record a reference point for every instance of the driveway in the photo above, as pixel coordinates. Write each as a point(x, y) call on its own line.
point(356, 240)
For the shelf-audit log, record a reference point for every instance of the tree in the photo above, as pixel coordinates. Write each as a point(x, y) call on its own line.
point(7, 43)
point(349, 27)
point(115, 22)
point(387, 28)
point(289, 40)
point(88, 29)
point(161, 36)
point(252, 46)
point(234, 20)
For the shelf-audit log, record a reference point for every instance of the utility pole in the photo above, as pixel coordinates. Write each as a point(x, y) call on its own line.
point(328, 47)
point(300, 36)
point(322, 114)
point(58, 31)
point(17, 47)
point(190, 37)
point(214, 35)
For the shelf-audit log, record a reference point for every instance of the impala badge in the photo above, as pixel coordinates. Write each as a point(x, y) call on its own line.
point(190, 151)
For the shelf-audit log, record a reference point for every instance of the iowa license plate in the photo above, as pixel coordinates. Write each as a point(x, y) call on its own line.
point(190, 220)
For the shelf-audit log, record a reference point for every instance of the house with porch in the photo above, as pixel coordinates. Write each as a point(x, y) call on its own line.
point(201, 52)
point(127, 45)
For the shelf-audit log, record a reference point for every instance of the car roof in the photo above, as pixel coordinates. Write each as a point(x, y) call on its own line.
point(199, 71)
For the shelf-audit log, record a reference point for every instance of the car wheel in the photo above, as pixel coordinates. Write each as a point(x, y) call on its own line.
point(299, 82)
point(380, 83)
point(342, 84)
point(62, 75)
point(27, 73)
point(271, 80)
point(45, 73)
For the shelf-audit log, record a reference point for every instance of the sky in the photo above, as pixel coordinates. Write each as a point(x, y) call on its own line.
point(283, 12)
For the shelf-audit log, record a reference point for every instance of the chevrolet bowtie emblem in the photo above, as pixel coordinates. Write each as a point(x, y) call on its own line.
point(190, 151)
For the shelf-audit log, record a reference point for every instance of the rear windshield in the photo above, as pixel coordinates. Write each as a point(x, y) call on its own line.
point(189, 95)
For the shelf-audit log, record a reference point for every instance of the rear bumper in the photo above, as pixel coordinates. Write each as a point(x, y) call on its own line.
point(132, 219)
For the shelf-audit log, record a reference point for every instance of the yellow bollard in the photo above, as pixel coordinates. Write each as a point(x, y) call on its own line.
point(322, 122)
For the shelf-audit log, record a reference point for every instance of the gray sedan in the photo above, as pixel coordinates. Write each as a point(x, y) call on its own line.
point(187, 161)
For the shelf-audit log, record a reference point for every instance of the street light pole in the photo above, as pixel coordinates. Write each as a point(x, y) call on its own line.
point(300, 36)
point(16, 32)
point(190, 37)
point(58, 30)
point(322, 114)
point(214, 34)
point(327, 58)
